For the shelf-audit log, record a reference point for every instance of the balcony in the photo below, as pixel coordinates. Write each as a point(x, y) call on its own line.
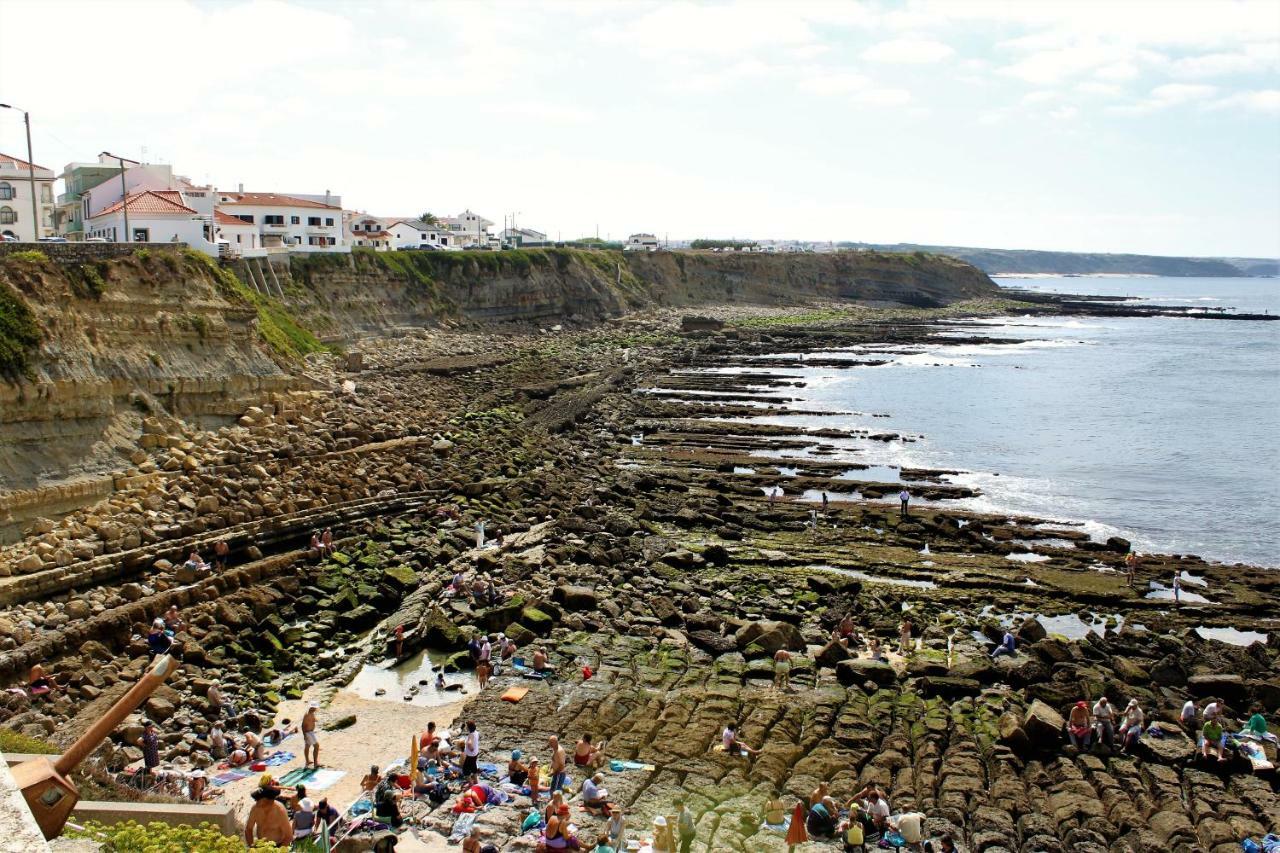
point(274, 228)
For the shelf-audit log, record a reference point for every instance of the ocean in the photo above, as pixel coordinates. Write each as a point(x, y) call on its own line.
point(1165, 431)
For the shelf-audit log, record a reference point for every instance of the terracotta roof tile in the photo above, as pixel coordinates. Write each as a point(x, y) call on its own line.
point(227, 219)
point(150, 201)
point(274, 200)
point(22, 164)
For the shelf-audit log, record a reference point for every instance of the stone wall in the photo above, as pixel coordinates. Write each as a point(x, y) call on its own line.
point(80, 253)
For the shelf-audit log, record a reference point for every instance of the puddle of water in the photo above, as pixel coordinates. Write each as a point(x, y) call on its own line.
point(1070, 625)
point(637, 439)
point(773, 491)
point(788, 472)
point(1231, 635)
point(873, 474)
point(1163, 593)
point(863, 576)
point(398, 680)
point(1187, 578)
point(742, 469)
point(815, 496)
point(1026, 558)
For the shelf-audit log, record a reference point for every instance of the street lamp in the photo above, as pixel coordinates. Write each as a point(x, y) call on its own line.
point(31, 169)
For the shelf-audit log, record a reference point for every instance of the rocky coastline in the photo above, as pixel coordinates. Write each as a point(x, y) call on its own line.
point(637, 536)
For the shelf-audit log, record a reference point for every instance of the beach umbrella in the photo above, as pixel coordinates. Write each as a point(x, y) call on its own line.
point(413, 761)
point(796, 832)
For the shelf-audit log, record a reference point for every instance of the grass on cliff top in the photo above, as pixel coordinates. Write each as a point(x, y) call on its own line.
point(282, 332)
point(11, 741)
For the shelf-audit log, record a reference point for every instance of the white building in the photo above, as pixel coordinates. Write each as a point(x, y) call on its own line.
point(239, 237)
point(292, 223)
point(641, 243)
point(153, 217)
point(514, 238)
point(468, 229)
point(369, 232)
point(416, 234)
point(15, 199)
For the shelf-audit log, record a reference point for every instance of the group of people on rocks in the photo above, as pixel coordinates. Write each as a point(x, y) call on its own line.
point(482, 591)
point(322, 544)
point(866, 820)
point(1100, 725)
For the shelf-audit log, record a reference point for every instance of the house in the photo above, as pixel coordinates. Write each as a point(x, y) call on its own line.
point(152, 216)
point(291, 223)
point(467, 228)
point(77, 179)
point(516, 238)
point(417, 234)
point(370, 232)
point(641, 243)
point(239, 237)
point(15, 199)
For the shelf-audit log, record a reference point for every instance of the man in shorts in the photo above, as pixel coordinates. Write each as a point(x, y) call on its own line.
point(310, 742)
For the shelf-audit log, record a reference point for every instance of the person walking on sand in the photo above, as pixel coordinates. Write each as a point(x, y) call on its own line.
point(310, 741)
point(905, 497)
point(782, 669)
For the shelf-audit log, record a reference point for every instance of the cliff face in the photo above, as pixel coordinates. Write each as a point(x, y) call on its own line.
point(94, 338)
point(117, 339)
point(343, 296)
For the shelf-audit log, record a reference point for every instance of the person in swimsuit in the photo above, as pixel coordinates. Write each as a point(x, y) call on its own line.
point(732, 745)
point(782, 669)
point(774, 811)
point(587, 754)
point(517, 772)
point(557, 763)
point(38, 683)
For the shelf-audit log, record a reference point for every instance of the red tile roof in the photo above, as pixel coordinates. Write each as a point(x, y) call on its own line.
point(274, 200)
point(227, 219)
point(22, 164)
point(150, 201)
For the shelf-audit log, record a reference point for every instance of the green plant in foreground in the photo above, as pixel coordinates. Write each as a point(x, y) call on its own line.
point(34, 256)
point(11, 741)
point(155, 837)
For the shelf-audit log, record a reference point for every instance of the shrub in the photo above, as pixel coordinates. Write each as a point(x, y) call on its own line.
point(87, 280)
point(131, 837)
point(33, 256)
point(19, 334)
point(11, 741)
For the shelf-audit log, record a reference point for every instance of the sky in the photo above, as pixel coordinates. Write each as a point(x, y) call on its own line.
point(1114, 126)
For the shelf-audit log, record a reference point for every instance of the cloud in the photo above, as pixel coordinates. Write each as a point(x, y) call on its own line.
point(1180, 93)
point(1092, 87)
point(883, 97)
point(908, 51)
point(1252, 59)
point(834, 82)
point(1261, 101)
point(1064, 113)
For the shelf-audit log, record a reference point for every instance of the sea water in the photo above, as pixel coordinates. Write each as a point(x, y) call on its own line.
point(1162, 430)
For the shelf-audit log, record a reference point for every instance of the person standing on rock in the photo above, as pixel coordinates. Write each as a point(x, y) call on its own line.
point(782, 669)
point(310, 741)
point(1177, 590)
point(221, 551)
point(685, 827)
point(150, 744)
point(326, 542)
point(558, 759)
point(1104, 720)
point(480, 533)
point(905, 497)
point(904, 635)
point(471, 750)
point(1130, 566)
point(825, 503)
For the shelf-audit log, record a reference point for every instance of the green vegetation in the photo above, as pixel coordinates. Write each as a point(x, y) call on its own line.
point(155, 837)
point(19, 334)
point(195, 323)
point(11, 741)
point(277, 326)
point(88, 281)
point(704, 243)
point(31, 256)
point(143, 255)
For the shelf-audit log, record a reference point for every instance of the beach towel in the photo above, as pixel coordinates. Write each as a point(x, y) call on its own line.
point(324, 778)
point(279, 757)
point(515, 694)
point(720, 748)
point(487, 769)
point(462, 827)
point(235, 774)
point(1256, 755)
point(780, 828)
point(1271, 844)
point(638, 765)
point(298, 774)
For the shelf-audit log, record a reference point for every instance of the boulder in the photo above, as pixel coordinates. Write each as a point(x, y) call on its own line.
point(77, 609)
point(949, 688)
point(1012, 734)
point(1229, 687)
point(769, 637)
point(1173, 748)
point(831, 583)
point(699, 323)
point(575, 598)
point(1031, 631)
point(832, 653)
point(859, 670)
point(1043, 725)
point(710, 641)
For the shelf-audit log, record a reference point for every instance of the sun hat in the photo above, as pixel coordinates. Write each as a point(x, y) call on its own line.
point(306, 805)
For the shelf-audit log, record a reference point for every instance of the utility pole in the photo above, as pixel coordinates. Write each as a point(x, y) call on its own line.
point(124, 201)
point(31, 171)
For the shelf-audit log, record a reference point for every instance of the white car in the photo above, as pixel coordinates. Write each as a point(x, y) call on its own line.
point(96, 240)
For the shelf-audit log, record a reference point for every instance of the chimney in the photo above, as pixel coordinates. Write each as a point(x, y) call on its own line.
point(240, 188)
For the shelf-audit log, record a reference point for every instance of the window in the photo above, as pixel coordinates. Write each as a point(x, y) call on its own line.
point(245, 217)
point(142, 235)
point(273, 219)
point(6, 190)
point(313, 220)
point(294, 220)
point(328, 220)
point(7, 216)
point(333, 241)
point(46, 193)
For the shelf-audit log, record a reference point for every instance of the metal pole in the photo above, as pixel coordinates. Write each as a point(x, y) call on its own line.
point(128, 237)
point(31, 172)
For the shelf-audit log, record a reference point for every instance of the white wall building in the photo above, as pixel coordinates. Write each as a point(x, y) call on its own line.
point(517, 237)
point(288, 223)
point(153, 217)
point(416, 234)
point(469, 229)
point(641, 243)
point(15, 199)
